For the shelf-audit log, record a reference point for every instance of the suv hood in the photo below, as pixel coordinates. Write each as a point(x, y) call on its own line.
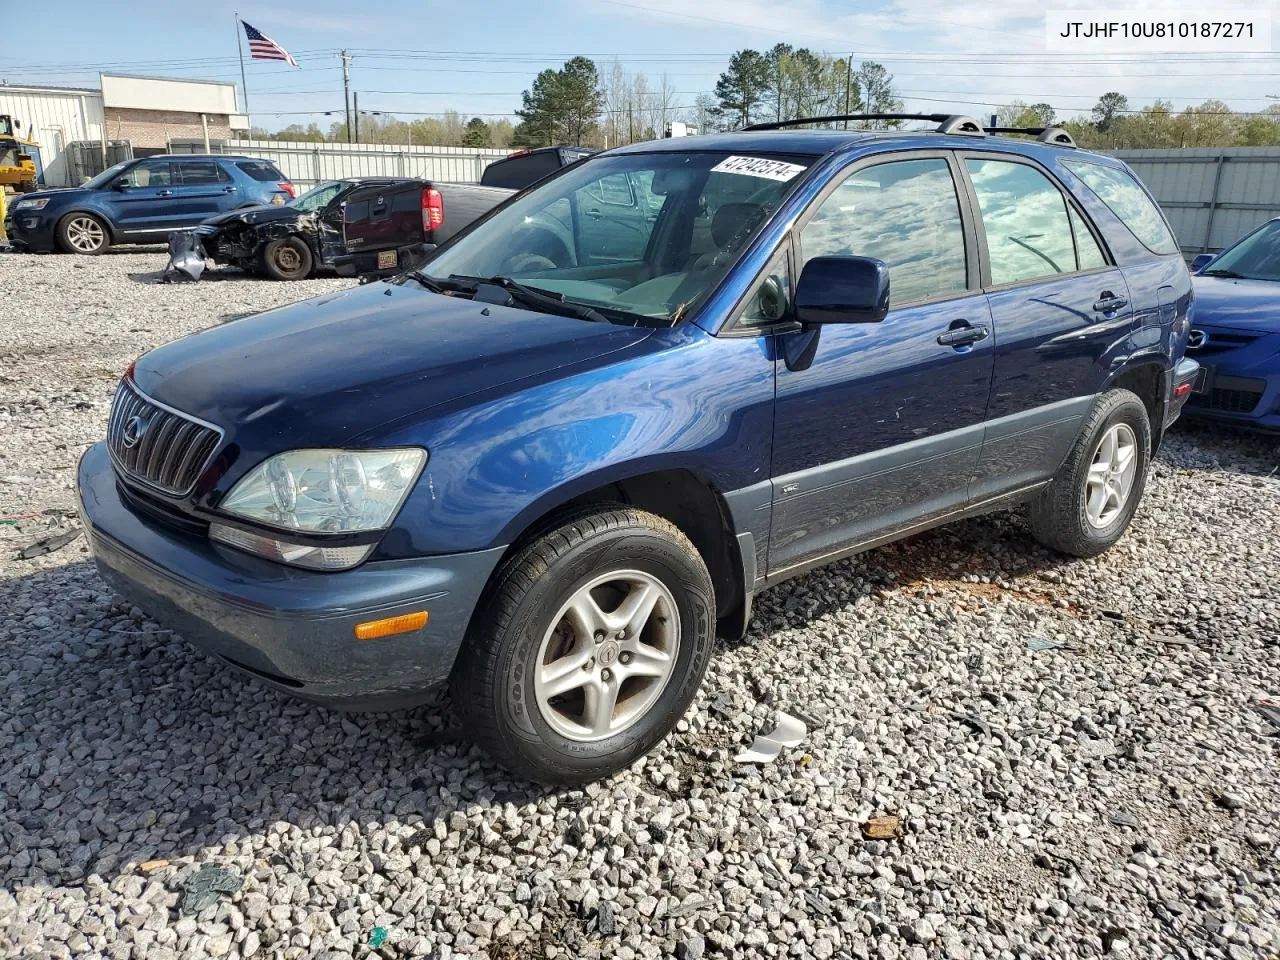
point(1239, 304)
point(46, 194)
point(330, 371)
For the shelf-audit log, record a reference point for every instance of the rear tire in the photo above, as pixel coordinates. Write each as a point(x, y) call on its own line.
point(288, 258)
point(1095, 494)
point(82, 233)
point(588, 646)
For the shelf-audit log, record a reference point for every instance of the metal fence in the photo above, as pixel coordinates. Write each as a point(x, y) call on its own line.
point(88, 158)
point(308, 163)
point(1212, 196)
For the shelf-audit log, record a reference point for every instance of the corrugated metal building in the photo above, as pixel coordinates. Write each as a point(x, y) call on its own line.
point(1211, 195)
point(54, 117)
point(146, 112)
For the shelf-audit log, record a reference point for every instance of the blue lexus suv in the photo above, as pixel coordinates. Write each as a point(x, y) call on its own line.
point(141, 201)
point(549, 476)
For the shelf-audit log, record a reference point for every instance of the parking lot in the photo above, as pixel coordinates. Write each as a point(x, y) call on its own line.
point(1074, 748)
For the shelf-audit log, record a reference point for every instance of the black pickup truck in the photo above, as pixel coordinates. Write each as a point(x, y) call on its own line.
point(353, 227)
point(367, 226)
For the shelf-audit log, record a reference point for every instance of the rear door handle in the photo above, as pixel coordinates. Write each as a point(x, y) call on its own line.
point(963, 336)
point(165, 193)
point(228, 189)
point(1109, 303)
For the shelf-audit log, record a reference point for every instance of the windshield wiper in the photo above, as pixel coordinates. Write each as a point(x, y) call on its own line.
point(439, 286)
point(1229, 274)
point(538, 299)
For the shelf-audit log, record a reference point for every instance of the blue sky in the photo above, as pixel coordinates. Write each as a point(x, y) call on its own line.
point(477, 57)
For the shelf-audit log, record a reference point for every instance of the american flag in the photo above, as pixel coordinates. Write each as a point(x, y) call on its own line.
point(262, 47)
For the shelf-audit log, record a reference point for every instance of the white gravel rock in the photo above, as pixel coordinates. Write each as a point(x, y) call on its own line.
point(1107, 791)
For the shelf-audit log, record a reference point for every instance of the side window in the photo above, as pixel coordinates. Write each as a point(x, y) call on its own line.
point(1025, 218)
point(194, 173)
point(614, 190)
point(1087, 250)
point(772, 297)
point(149, 174)
point(1128, 201)
point(406, 201)
point(906, 213)
point(615, 216)
point(357, 211)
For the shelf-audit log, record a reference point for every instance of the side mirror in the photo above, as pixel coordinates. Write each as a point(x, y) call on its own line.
point(843, 290)
point(1202, 261)
point(121, 184)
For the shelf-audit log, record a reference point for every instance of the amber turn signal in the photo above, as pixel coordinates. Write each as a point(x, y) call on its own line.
point(405, 623)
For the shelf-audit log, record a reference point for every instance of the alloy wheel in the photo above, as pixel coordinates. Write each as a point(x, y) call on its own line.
point(607, 656)
point(85, 234)
point(1111, 474)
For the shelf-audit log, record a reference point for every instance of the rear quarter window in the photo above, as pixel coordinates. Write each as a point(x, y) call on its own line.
point(407, 201)
point(1125, 197)
point(261, 170)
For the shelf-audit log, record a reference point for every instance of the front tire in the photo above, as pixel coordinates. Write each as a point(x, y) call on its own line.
point(1095, 494)
point(288, 258)
point(82, 233)
point(588, 646)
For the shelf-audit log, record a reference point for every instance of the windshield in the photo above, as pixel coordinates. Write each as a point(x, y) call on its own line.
point(1256, 257)
point(108, 175)
point(317, 196)
point(642, 234)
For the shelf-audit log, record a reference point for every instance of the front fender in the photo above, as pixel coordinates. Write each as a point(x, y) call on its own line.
point(690, 401)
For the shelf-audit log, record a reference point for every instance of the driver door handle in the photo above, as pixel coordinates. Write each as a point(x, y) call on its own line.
point(963, 334)
point(1108, 302)
point(165, 193)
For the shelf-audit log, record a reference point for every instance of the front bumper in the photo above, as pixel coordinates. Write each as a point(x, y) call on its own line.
point(1241, 386)
point(294, 629)
point(30, 230)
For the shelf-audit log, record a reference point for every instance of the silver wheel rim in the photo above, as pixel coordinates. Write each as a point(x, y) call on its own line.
point(1111, 474)
point(85, 234)
point(607, 656)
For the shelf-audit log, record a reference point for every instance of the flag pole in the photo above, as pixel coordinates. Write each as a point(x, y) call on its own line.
point(244, 84)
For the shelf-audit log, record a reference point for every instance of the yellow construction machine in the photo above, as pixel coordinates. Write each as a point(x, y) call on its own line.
point(17, 159)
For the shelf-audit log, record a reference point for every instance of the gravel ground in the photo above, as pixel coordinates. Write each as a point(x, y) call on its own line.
point(1071, 747)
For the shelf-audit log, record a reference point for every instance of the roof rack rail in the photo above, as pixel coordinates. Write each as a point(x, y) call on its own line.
point(961, 125)
point(1054, 135)
point(947, 122)
point(801, 121)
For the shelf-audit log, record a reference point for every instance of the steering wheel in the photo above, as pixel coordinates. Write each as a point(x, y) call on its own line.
point(524, 262)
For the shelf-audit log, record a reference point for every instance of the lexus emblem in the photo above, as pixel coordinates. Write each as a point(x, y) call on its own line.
point(133, 430)
point(1197, 340)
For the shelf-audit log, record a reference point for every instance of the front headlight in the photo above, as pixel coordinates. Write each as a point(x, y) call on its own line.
point(319, 492)
point(37, 204)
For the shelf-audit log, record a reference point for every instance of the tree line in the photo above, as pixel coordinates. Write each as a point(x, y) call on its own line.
point(1113, 125)
point(451, 129)
point(578, 104)
point(582, 104)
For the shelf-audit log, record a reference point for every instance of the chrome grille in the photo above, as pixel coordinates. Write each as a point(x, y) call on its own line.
point(157, 445)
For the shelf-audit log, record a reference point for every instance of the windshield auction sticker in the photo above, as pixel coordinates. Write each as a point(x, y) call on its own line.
point(758, 167)
point(1212, 30)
